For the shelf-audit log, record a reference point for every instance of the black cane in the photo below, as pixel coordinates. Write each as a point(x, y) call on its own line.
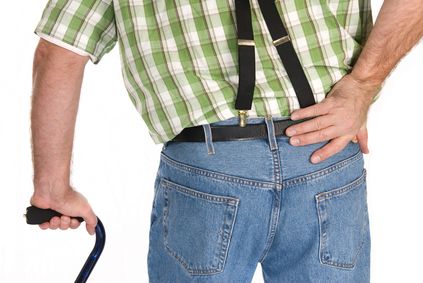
point(35, 216)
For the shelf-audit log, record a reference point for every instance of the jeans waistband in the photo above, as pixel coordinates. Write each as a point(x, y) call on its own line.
point(268, 120)
point(250, 120)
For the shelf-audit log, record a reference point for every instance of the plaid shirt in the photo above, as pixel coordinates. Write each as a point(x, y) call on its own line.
point(179, 58)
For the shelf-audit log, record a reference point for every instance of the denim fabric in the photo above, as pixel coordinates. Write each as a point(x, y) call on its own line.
point(222, 207)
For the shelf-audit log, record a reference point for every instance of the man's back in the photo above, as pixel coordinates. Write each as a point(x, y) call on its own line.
point(179, 58)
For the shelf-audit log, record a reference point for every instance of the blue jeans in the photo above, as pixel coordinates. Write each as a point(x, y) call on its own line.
point(222, 207)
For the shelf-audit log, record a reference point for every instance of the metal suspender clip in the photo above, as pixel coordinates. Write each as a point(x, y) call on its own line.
point(246, 42)
point(242, 117)
point(282, 40)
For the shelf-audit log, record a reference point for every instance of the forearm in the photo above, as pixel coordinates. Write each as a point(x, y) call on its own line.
point(398, 27)
point(57, 79)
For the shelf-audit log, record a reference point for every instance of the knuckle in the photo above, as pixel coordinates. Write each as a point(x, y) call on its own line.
point(317, 124)
point(328, 151)
point(331, 101)
point(74, 224)
point(90, 221)
point(65, 219)
point(315, 111)
point(322, 156)
point(322, 135)
point(87, 211)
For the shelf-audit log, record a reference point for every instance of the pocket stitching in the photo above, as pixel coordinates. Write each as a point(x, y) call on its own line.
point(342, 164)
point(222, 246)
point(322, 230)
point(206, 196)
point(342, 190)
point(217, 176)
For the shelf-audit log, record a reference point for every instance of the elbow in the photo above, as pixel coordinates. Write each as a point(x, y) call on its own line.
point(47, 53)
point(41, 54)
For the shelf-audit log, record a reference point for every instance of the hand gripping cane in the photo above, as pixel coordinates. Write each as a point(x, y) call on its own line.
point(35, 216)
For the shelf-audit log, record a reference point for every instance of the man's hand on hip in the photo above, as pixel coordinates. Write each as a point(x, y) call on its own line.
point(340, 118)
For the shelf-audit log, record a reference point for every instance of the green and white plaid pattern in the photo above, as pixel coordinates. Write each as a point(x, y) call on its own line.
point(180, 63)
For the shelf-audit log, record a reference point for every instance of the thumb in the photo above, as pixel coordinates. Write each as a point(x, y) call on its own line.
point(78, 204)
point(90, 222)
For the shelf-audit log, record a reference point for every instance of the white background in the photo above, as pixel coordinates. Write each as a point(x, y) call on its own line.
point(115, 162)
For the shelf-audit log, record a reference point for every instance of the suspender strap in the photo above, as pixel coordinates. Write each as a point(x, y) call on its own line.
point(246, 58)
point(286, 51)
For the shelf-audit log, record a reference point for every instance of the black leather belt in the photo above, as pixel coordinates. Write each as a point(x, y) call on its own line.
point(234, 132)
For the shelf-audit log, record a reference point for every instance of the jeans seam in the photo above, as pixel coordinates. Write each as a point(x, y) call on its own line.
point(323, 172)
point(276, 167)
point(205, 196)
point(217, 175)
point(342, 190)
point(272, 229)
point(276, 208)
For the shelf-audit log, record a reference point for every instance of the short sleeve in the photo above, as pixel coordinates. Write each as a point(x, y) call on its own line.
point(86, 27)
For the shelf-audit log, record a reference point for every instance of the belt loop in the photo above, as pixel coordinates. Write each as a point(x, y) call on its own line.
point(271, 132)
point(208, 138)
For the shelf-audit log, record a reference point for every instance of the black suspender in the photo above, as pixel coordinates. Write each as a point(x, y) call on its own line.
point(286, 51)
point(246, 58)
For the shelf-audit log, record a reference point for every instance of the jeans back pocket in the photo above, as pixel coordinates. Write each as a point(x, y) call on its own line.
point(197, 227)
point(343, 223)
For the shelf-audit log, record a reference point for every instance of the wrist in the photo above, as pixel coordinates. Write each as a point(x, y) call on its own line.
point(371, 87)
point(51, 190)
point(366, 76)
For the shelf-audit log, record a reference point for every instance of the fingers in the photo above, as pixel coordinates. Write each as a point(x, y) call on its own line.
point(315, 124)
point(315, 137)
point(63, 223)
point(66, 222)
point(322, 128)
point(74, 223)
point(44, 226)
point(333, 147)
point(311, 111)
point(54, 223)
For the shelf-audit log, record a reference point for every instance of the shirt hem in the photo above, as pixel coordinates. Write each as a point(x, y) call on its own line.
point(66, 45)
